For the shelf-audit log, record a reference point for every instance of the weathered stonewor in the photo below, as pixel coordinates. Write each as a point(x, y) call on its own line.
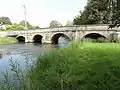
point(51, 35)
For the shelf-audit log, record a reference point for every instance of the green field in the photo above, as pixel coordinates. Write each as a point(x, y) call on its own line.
point(80, 66)
point(7, 40)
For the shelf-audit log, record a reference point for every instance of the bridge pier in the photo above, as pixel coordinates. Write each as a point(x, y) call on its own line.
point(28, 41)
point(76, 35)
point(46, 42)
point(46, 38)
point(117, 36)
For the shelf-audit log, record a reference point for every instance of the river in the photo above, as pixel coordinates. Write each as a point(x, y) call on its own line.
point(24, 52)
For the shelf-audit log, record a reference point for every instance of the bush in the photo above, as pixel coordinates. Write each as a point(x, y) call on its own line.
point(7, 40)
point(15, 27)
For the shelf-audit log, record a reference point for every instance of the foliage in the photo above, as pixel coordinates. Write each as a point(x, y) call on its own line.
point(77, 20)
point(15, 27)
point(69, 23)
point(55, 23)
point(80, 66)
point(116, 10)
point(88, 67)
point(9, 26)
point(99, 12)
point(35, 27)
point(29, 26)
point(7, 40)
point(5, 20)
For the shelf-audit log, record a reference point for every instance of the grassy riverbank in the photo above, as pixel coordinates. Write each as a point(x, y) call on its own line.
point(7, 40)
point(81, 66)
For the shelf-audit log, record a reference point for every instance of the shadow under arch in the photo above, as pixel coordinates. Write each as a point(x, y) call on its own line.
point(94, 36)
point(56, 37)
point(37, 39)
point(21, 39)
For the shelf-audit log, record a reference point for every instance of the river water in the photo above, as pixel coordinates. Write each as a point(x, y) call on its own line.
point(24, 52)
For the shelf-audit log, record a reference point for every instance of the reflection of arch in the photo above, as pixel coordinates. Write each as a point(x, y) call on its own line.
point(56, 37)
point(21, 39)
point(94, 36)
point(37, 39)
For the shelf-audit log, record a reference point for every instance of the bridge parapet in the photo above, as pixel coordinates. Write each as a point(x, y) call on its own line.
point(80, 28)
point(73, 32)
point(66, 28)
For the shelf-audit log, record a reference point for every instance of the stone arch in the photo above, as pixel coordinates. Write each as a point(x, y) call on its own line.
point(56, 37)
point(94, 36)
point(20, 38)
point(37, 39)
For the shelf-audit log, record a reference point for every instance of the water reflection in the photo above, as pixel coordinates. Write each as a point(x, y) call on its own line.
point(25, 51)
point(63, 42)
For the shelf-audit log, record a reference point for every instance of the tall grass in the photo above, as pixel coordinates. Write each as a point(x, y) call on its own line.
point(81, 66)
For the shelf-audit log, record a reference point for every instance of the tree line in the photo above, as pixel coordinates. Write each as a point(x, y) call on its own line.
point(95, 12)
point(14, 26)
point(99, 12)
point(21, 26)
point(55, 23)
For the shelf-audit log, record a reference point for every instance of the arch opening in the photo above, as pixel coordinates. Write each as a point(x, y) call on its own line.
point(20, 39)
point(94, 36)
point(58, 38)
point(37, 39)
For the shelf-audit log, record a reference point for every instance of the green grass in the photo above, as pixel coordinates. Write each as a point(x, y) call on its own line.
point(7, 40)
point(80, 66)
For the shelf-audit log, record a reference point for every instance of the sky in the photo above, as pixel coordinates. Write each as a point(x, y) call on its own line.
point(41, 12)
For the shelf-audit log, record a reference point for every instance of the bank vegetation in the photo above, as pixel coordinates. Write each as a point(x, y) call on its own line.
point(80, 66)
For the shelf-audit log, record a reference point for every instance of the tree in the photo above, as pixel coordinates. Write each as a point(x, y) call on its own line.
point(77, 20)
point(29, 26)
point(69, 23)
point(5, 20)
point(15, 27)
point(96, 12)
point(99, 12)
point(115, 10)
point(55, 23)
point(118, 10)
point(36, 27)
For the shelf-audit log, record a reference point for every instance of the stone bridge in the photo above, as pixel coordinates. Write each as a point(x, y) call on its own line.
point(51, 35)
